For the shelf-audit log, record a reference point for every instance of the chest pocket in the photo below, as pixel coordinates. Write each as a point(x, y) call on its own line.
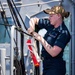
point(52, 36)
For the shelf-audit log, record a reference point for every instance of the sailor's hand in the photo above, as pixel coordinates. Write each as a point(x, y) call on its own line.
point(30, 30)
point(37, 36)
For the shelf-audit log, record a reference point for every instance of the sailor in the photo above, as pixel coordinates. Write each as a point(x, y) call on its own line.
point(54, 41)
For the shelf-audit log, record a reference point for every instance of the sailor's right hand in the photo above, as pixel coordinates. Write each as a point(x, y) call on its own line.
point(32, 23)
point(30, 30)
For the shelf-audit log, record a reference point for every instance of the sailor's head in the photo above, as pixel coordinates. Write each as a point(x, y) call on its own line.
point(57, 10)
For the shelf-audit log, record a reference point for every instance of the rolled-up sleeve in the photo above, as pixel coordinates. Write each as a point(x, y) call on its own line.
point(44, 23)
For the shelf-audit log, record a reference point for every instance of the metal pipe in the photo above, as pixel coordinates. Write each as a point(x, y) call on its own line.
point(73, 41)
point(72, 38)
point(39, 3)
point(12, 50)
point(3, 55)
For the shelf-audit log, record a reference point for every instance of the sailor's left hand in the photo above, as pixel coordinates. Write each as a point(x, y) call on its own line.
point(37, 36)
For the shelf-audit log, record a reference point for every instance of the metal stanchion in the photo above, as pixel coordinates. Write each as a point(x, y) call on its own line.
point(12, 50)
point(3, 55)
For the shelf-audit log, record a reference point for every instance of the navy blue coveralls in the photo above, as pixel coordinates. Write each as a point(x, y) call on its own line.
point(59, 36)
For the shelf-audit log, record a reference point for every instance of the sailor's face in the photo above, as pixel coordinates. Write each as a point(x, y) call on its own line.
point(53, 18)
